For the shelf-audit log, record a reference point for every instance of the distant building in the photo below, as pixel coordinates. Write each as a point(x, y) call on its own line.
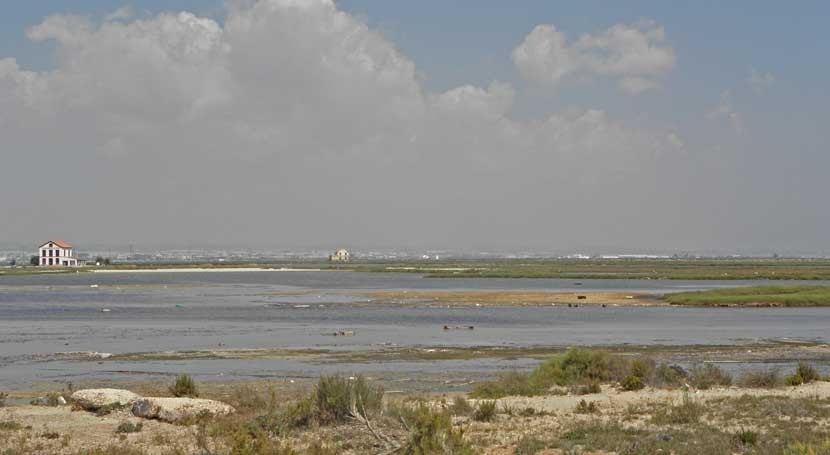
point(57, 253)
point(341, 255)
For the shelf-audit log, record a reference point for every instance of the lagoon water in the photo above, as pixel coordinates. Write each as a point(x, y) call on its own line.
point(41, 315)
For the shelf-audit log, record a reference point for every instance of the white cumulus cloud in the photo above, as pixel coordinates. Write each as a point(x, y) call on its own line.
point(293, 121)
point(636, 55)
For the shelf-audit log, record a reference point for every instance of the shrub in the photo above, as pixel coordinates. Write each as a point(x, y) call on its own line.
point(668, 375)
point(582, 369)
point(632, 382)
point(248, 398)
point(509, 384)
point(641, 367)
point(460, 406)
point(587, 389)
point(686, 412)
point(129, 427)
point(707, 376)
point(3, 397)
point(576, 366)
point(528, 412)
point(9, 425)
point(244, 439)
point(109, 409)
point(794, 380)
point(297, 414)
point(529, 445)
point(746, 437)
point(485, 411)
point(433, 434)
point(184, 386)
point(807, 372)
point(800, 448)
point(585, 407)
point(765, 379)
point(337, 397)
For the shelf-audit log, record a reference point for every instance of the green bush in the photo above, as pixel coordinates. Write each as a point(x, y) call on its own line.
point(485, 411)
point(296, 414)
point(586, 407)
point(807, 372)
point(587, 389)
point(641, 367)
point(129, 427)
point(746, 437)
point(433, 434)
point(801, 448)
point(668, 376)
point(9, 425)
point(804, 374)
point(687, 411)
point(3, 397)
point(794, 380)
point(509, 384)
point(460, 406)
point(336, 397)
point(632, 382)
point(529, 445)
point(184, 386)
point(707, 376)
point(764, 379)
point(576, 366)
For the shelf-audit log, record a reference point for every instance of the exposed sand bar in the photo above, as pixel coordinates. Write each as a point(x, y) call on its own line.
point(205, 269)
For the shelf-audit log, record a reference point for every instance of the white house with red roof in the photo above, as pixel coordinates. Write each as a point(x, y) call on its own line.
point(57, 253)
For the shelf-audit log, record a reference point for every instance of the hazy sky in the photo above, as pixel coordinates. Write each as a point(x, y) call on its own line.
point(471, 124)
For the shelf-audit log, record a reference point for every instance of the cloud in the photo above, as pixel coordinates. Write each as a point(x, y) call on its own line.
point(759, 82)
point(295, 122)
point(726, 111)
point(635, 55)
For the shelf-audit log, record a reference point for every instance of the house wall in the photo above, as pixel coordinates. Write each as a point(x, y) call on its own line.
point(56, 256)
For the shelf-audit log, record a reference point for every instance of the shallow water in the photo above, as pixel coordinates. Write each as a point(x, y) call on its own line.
point(46, 314)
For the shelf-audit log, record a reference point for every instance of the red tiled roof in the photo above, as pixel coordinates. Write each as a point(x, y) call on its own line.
point(59, 243)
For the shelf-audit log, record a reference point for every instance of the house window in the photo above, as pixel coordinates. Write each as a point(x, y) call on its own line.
point(43, 253)
point(50, 261)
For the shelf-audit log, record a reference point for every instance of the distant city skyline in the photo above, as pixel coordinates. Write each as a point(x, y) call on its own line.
point(472, 126)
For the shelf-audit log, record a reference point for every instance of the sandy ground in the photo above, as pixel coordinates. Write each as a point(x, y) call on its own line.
point(610, 398)
point(57, 430)
point(62, 430)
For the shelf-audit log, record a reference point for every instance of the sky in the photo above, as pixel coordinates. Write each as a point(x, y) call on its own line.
point(550, 126)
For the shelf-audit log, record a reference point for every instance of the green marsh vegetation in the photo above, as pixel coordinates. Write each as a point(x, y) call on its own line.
point(581, 371)
point(785, 296)
point(680, 269)
point(669, 268)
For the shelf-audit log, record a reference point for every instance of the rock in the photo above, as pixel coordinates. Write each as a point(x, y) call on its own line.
point(178, 409)
point(94, 399)
point(61, 400)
